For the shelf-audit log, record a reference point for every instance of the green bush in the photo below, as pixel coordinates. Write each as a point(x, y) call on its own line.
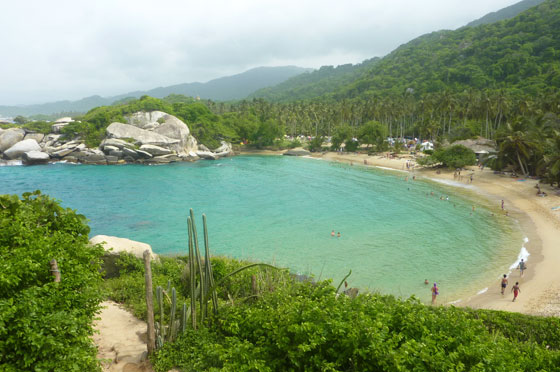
point(305, 327)
point(457, 156)
point(46, 326)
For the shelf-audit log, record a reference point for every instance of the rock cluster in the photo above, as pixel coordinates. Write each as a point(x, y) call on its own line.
point(147, 137)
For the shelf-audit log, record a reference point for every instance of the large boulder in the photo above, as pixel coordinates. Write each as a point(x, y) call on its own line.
point(20, 148)
point(114, 246)
point(10, 137)
point(206, 155)
point(176, 129)
point(140, 136)
point(35, 157)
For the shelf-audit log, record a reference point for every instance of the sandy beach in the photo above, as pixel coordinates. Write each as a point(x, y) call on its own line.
point(538, 217)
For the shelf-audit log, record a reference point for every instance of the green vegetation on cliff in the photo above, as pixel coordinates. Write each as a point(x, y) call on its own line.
point(46, 326)
point(268, 321)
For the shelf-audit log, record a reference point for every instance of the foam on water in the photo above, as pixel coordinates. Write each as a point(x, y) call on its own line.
point(523, 254)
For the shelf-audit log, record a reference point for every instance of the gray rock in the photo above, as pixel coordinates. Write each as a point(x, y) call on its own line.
point(224, 150)
point(36, 136)
point(176, 129)
point(201, 147)
point(56, 128)
point(107, 149)
point(144, 154)
point(159, 160)
point(116, 153)
point(94, 159)
point(35, 157)
point(116, 143)
point(206, 155)
point(20, 148)
point(155, 150)
point(297, 152)
point(112, 159)
point(129, 152)
point(10, 137)
point(141, 136)
point(61, 153)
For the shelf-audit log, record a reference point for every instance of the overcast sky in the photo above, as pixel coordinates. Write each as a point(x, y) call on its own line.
point(53, 50)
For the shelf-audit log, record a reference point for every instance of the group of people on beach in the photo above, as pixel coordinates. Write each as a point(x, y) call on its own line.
point(515, 289)
point(504, 283)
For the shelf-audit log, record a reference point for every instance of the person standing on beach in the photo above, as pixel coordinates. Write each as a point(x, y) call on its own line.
point(504, 283)
point(502, 204)
point(435, 293)
point(522, 267)
point(516, 290)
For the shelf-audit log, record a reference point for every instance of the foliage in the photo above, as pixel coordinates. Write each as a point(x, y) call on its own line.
point(46, 326)
point(457, 156)
point(372, 133)
point(341, 135)
point(38, 126)
point(304, 326)
point(316, 144)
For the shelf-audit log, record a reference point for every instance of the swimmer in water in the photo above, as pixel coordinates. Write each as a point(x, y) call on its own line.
point(338, 235)
point(435, 293)
point(426, 282)
point(332, 233)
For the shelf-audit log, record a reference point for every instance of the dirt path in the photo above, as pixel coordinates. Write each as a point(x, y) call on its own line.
point(121, 340)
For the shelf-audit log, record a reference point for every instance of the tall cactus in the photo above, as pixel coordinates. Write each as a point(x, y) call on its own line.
point(172, 321)
point(202, 292)
point(208, 266)
point(192, 273)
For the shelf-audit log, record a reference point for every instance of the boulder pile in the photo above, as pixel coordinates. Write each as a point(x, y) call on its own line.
point(148, 137)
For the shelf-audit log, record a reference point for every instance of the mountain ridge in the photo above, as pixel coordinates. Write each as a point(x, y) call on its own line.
point(225, 88)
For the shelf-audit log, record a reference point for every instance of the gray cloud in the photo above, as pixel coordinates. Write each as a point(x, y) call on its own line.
point(52, 50)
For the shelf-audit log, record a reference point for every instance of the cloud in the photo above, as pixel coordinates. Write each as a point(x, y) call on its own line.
point(57, 49)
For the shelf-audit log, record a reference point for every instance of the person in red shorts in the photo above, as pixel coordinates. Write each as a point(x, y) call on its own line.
point(516, 290)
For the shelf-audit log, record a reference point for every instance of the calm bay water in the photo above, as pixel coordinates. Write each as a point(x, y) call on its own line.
point(394, 234)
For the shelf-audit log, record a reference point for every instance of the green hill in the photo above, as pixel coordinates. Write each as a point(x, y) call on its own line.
point(520, 55)
point(316, 83)
point(221, 89)
point(506, 13)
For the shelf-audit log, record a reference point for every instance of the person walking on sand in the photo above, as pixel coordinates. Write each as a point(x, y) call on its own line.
point(504, 283)
point(516, 291)
point(522, 267)
point(435, 293)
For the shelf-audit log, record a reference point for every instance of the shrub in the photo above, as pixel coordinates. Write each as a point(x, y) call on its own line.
point(46, 326)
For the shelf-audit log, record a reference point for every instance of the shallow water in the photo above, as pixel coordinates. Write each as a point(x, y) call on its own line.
point(394, 234)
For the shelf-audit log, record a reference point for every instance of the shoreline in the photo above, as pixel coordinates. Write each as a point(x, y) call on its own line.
point(540, 286)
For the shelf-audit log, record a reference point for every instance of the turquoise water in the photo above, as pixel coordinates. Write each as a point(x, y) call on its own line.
point(394, 234)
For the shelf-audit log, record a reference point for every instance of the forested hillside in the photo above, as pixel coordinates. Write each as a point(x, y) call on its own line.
point(520, 55)
point(506, 13)
point(317, 83)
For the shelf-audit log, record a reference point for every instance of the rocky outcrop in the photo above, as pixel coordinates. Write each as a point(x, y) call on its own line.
point(35, 157)
point(20, 148)
point(10, 137)
point(149, 137)
point(297, 152)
